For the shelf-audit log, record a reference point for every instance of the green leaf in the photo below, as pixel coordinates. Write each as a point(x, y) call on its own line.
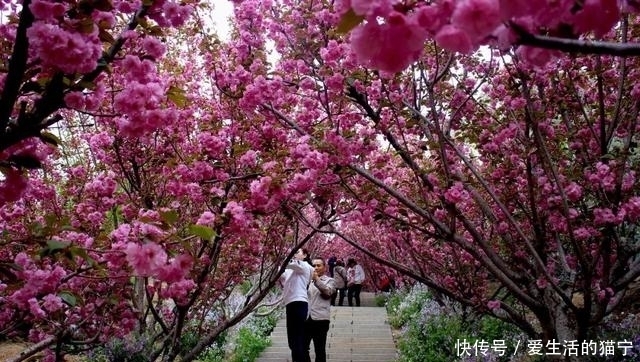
point(53, 246)
point(86, 84)
point(51, 220)
point(68, 298)
point(50, 138)
point(203, 232)
point(82, 253)
point(176, 95)
point(105, 36)
point(155, 31)
point(170, 217)
point(56, 245)
point(349, 21)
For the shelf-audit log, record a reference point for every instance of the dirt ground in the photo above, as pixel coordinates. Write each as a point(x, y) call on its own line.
point(9, 350)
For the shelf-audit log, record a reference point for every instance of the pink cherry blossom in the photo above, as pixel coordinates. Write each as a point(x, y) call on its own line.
point(493, 304)
point(573, 192)
point(632, 208)
point(477, 18)
point(13, 186)
point(604, 216)
point(206, 218)
point(52, 303)
point(516, 8)
point(456, 194)
point(75, 100)
point(454, 39)
point(104, 19)
point(372, 8)
point(598, 16)
point(176, 270)
point(538, 57)
point(542, 283)
point(145, 259)
point(35, 309)
point(65, 50)
point(302, 182)
point(153, 47)
point(390, 46)
point(46, 10)
point(178, 291)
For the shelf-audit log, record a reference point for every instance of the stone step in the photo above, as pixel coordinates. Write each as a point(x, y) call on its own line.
point(356, 334)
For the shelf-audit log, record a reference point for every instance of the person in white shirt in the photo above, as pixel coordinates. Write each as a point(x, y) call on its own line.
point(320, 291)
point(296, 280)
point(355, 278)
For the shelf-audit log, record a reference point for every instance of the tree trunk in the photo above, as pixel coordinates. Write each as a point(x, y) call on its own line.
point(559, 326)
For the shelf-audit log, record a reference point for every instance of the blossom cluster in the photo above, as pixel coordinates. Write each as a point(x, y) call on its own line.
point(391, 35)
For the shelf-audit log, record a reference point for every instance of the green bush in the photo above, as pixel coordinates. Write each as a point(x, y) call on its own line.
point(403, 307)
point(188, 340)
point(212, 354)
point(249, 345)
point(380, 300)
point(432, 332)
point(433, 341)
point(215, 352)
point(253, 337)
point(129, 349)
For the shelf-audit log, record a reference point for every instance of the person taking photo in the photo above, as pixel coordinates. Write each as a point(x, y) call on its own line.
point(320, 291)
point(295, 282)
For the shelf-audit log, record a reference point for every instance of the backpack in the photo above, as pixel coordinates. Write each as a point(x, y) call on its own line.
point(340, 277)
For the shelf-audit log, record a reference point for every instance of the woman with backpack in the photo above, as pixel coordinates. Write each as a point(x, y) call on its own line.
point(340, 277)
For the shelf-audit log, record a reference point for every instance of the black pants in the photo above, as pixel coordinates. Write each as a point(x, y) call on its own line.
point(317, 332)
point(354, 292)
point(296, 320)
point(342, 292)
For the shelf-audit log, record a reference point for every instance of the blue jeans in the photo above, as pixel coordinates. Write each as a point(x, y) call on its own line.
point(296, 337)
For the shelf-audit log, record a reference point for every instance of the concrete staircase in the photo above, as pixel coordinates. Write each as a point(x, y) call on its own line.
point(356, 334)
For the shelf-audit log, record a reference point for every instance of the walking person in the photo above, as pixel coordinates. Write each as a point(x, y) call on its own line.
point(340, 277)
point(355, 278)
point(296, 280)
point(320, 291)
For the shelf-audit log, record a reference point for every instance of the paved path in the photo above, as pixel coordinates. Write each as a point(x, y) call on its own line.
point(357, 334)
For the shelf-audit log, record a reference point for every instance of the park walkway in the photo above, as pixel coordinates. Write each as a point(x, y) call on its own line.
point(357, 334)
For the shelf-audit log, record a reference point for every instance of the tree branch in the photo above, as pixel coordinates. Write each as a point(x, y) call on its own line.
point(31, 350)
point(17, 67)
point(576, 46)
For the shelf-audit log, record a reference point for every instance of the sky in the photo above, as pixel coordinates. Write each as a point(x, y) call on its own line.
point(222, 11)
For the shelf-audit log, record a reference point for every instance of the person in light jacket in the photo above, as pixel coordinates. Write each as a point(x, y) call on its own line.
point(340, 277)
point(296, 280)
point(320, 291)
point(355, 278)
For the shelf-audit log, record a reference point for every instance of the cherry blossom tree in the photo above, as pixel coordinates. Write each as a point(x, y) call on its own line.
point(55, 56)
point(505, 185)
point(165, 168)
point(151, 201)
